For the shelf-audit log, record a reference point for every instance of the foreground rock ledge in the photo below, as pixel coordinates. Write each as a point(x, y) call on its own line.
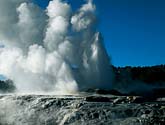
point(80, 110)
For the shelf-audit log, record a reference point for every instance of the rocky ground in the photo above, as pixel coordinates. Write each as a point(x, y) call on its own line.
point(83, 109)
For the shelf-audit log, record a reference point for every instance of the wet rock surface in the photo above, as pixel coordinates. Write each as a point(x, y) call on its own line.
point(81, 110)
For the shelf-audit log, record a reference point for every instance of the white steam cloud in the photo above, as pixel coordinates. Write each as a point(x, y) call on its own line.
point(53, 50)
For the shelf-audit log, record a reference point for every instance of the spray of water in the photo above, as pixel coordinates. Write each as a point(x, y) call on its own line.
point(53, 50)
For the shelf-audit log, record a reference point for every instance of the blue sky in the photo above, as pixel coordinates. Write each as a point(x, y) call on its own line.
point(133, 30)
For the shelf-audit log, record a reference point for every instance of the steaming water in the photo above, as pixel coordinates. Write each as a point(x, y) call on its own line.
point(53, 50)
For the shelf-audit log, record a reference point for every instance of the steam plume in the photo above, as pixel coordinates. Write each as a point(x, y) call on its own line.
point(53, 50)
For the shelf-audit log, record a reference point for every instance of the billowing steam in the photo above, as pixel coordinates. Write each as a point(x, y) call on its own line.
point(53, 50)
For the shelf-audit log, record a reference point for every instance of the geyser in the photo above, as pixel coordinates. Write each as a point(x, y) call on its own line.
point(53, 50)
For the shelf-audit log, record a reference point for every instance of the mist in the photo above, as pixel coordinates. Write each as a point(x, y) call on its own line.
point(54, 50)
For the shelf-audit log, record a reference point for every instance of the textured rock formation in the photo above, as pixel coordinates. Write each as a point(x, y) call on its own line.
point(80, 110)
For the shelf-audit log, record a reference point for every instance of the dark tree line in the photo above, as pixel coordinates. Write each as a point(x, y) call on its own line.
point(6, 86)
point(147, 74)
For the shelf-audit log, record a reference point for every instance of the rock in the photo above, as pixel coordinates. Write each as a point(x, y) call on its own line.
point(105, 92)
point(97, 99)
point(140, 99)
point(158, 92)
point(119, 100)
point(51, 109)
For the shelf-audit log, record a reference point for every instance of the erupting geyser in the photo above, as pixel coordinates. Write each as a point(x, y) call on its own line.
point(53, 50)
